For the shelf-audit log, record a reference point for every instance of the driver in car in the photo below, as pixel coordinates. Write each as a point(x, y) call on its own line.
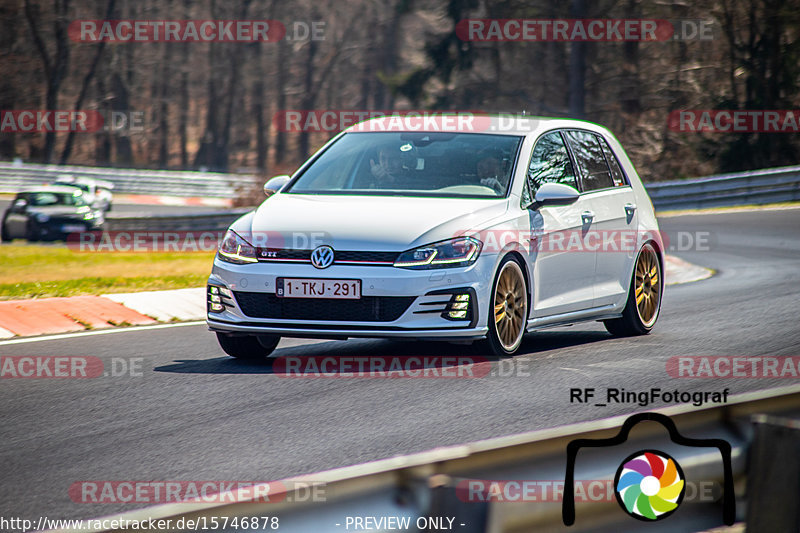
point(490, 169)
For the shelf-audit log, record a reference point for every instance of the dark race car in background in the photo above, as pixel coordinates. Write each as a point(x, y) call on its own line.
point(49, 213)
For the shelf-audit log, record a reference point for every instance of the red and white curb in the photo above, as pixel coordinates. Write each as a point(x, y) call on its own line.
point(59, 315)
point(146, 199)
point(676, 271)
point(165, 306)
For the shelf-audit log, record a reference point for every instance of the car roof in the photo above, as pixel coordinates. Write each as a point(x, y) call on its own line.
point(470, 122)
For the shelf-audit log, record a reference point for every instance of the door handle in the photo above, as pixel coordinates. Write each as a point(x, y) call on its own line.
point(587, 217)
point(630, 209)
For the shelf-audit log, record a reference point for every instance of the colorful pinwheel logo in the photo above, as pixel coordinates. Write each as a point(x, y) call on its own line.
point(649, 485)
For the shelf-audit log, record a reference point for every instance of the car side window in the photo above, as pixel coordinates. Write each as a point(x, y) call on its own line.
point(550, 163)
point(591, 162)
point(16, 209)
point(613, 163)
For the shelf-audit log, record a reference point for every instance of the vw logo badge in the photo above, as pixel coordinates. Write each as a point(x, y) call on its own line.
point(322, 256)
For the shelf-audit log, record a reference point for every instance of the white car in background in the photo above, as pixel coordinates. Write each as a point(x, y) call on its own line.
point(96, 192)
point(452, 235)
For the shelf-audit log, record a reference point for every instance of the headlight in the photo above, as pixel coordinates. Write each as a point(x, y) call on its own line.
point(459, 252)
point(41, 217)
point(235, 249)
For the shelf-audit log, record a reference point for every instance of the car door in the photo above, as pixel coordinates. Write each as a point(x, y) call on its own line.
point(17, 219)
point(563, 271)
point(611, 203)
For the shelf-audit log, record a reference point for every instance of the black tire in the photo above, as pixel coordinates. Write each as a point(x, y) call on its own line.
point(3, 235)
point(633, 322)
point(251, 347)
point(517, 295)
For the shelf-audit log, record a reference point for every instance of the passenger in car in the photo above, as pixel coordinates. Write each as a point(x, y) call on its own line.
point(389, 169)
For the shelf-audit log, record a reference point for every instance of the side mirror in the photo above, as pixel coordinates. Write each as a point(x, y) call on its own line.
point(20, 205)
point(275, 184)
point(552, 194)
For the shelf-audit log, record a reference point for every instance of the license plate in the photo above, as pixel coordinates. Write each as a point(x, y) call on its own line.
point(70, 228)
point(340, 289)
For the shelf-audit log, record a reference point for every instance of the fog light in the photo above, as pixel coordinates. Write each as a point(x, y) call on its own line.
point(214, 296)
point(461, 306)
point(226, 292)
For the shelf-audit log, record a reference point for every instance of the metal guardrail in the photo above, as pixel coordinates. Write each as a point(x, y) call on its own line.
point(422, 485)
point(211, 221)
point(17, 176)
point(743, 188)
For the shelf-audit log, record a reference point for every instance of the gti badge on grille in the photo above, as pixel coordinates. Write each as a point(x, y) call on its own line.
point(322, 256)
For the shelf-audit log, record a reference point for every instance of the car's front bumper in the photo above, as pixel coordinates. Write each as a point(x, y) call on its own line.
point(425, 290)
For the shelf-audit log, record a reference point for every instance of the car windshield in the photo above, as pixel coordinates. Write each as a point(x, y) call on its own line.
point(455, 165)
point(45, 199)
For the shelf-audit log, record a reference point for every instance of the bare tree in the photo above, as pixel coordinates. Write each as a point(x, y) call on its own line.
point(55, 63)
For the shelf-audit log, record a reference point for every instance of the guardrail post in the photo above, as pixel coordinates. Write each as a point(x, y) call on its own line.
point(445, 504)
point(773, 475)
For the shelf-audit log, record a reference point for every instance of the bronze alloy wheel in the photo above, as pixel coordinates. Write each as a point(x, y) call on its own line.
point(510, 306)
point(647, 279)
point(644, 296)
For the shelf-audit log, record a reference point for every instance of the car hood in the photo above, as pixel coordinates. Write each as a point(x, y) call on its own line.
point(381, 223)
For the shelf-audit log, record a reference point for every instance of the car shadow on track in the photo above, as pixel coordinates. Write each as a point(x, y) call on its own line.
point(438, 355)
point(546, 341)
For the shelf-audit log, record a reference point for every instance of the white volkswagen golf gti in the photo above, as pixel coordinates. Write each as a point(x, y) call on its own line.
point(444, 229)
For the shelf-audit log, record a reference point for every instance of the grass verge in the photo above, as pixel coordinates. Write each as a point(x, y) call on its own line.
point(38, 271)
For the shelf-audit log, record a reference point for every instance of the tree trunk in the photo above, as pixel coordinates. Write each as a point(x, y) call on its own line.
point(577, 68)
point(55, 68)
point(120, 101)
point(309, 97)
point(280, 98)
point(87, 80)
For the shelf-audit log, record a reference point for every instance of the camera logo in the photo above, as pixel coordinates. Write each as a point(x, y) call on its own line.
point(649, 485)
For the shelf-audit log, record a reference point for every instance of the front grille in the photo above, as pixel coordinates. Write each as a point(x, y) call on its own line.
point(346, 255)
point(340, 256)
point(366, 309)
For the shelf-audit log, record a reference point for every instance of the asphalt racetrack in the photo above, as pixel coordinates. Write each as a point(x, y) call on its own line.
point(196, 414)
